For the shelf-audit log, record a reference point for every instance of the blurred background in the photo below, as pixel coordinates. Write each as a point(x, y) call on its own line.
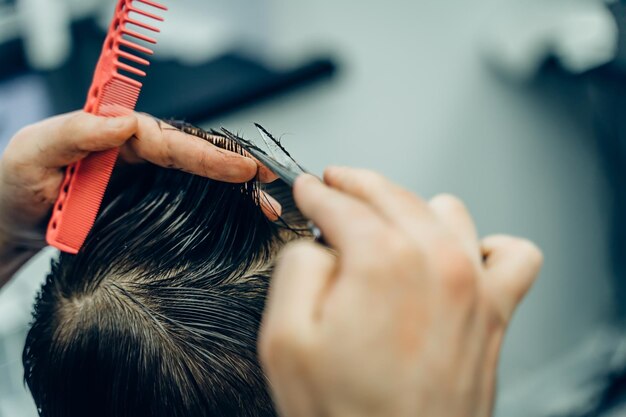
point(512, 105)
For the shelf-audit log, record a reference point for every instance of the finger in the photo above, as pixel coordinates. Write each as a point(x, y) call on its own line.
point(265, 175)
point(345, 222)
point(452, 212)
point(303, 273)
point(62, 140)
point(270, 207)
point(168, 147)
point(394, 203)
point(512, 266)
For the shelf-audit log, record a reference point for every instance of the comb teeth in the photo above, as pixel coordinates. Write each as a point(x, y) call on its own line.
point(153, 4)
point(89, 190)
point(123, 29)
point(113, 93)
point(145, 13)
point(138, 36)
point(136, 47)
point(132, 57)
point(127, 80)
point(143, 25)
point(131, 69)
point(118, 94)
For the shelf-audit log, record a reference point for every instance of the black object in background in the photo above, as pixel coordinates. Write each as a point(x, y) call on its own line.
point(604, 90)
point(226, 83)
point(195, 93)
point(607, 95)
point(12, 58)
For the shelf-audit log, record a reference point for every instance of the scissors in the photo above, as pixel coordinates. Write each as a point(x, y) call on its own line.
point(277, 160)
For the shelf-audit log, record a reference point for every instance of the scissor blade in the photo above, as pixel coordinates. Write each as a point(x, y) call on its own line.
point(277, 151)
point(284, 173)
point(287, 175)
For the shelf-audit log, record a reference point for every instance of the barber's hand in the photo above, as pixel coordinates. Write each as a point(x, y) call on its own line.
point(405, 319)
point(32, 167)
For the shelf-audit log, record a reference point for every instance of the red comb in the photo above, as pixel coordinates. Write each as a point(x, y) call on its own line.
point(113, 93)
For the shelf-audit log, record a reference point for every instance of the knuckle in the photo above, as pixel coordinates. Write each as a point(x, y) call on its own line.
point(24, 133)
point(531, 251)
point(87, 137)
point(76, 119)
point(449, 203)
point(458, 272)
point(388, 253)
point(399, 248)
point(86, 131)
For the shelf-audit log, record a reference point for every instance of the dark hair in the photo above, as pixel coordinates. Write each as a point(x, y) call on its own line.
point(158, 314)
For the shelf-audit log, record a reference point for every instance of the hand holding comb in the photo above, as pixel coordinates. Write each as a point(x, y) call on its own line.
point(113, 92)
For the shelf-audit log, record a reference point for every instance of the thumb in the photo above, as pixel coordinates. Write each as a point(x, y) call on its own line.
point(61, 140)
point(512, 266)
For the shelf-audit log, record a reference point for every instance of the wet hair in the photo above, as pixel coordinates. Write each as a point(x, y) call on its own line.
point(158, 313)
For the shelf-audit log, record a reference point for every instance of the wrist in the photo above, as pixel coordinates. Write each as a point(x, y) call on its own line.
point(16, 248)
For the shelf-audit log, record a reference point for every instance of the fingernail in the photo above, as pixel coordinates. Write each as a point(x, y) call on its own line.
point(274, 209)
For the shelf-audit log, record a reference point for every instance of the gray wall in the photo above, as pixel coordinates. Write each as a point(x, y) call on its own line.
point(416, 102)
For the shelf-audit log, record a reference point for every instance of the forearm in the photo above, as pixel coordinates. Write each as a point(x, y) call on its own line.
point(22, 232)
point(15, 251)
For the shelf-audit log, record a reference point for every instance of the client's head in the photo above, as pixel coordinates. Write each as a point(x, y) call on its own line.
point(158, 314)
